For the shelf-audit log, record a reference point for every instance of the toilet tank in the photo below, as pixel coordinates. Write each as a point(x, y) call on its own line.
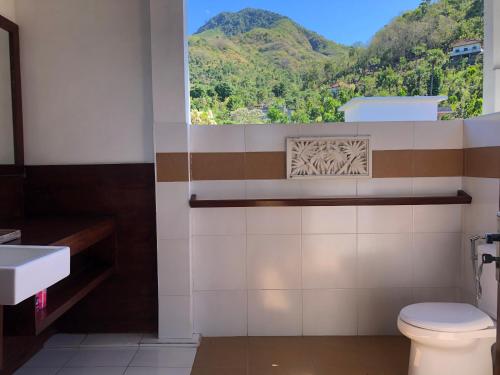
point(488, 301)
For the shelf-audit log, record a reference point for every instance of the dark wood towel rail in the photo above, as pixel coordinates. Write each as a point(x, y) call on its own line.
point(461, 198)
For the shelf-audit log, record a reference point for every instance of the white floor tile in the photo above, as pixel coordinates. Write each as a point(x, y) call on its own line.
point(114, 339)
point(102, 358)
point(92, 371)
point(158, 371)
point(164, 357)
point(36, 371)
point(64, 340)
point(47, 358)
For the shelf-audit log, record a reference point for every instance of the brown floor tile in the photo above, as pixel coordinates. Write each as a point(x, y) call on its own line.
point(360, 355)
point(263, 352)
point(224, 352)
point(218, 371)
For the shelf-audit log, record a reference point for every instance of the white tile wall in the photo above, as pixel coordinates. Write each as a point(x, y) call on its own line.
point(385, 186)
point(274, 312)
point(384, 219)
point(439, 135)
point(388, 136)
point(328, 188)
point(172, 213)
point(317, 220)
point(384, 260)
point(218, 189)
point(436, 261)
point(330, 312)
point(438, 218)
point(436, 185)
point(272, 220)
point(273, 262)
point(482, 131)
point(260, 189)
point(221, 313)
point(176, 317)
point(171, 137)
point(219, 262)
point(480, 216)
point(329, 261)
point(260, 138)
point(335, 270)
point(219, 221)
point(378, 309)
point(436, 295)
point(322, 270)
point(174, 262)
point(213, 138)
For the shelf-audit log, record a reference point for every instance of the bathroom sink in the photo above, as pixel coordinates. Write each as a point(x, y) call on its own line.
point(26, 270)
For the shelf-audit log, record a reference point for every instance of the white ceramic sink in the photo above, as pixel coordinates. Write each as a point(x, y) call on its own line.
point(26, 270)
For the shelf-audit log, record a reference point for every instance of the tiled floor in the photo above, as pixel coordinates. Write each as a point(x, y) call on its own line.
point(126, 354)
point(361, 355)
point(130, 354)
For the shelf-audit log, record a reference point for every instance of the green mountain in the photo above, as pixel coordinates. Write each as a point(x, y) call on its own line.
point(256, 66)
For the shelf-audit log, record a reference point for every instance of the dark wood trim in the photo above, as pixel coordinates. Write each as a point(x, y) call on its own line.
point(461, 198)
point(73, 291)
point(1, 337)
point(15, 79)
point(11, 170)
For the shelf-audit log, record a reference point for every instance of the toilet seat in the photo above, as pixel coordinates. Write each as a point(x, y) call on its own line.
point(446, 317)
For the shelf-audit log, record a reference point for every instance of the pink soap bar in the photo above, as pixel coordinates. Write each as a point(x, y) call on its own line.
point(41, 300)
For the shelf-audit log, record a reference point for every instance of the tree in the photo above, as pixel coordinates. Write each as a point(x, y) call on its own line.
point(277, 116)
point(223, 90)
point(279, 90)
point(234, 102)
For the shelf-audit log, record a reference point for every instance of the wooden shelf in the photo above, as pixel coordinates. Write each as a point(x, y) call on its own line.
point(64, 295)
point(93, 246)
point(461, 198)
point(77, 233)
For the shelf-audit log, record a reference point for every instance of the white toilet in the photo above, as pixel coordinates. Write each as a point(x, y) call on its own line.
point(453, 338)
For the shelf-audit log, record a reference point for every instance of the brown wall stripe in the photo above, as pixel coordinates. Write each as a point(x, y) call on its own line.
point(172, 167)
point(218, 166)
point(478, 162)
point(482, 162)
point(265, 165)
point(438, 163)
point(392, 163)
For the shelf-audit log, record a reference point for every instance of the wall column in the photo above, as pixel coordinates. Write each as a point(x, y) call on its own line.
point(171, 116)
point(491, 56)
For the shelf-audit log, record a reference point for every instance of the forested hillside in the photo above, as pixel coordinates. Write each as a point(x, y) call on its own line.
point(256, 66)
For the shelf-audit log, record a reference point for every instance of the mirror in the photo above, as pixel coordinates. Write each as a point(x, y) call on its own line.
point(6, 118)
point(11, 132)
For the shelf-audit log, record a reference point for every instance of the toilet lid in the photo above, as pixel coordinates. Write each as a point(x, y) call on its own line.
point(446, 317)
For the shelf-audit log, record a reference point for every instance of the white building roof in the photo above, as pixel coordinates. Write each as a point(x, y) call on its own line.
point(387, 100)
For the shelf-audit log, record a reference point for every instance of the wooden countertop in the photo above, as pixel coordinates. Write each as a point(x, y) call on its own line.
point(76, 232)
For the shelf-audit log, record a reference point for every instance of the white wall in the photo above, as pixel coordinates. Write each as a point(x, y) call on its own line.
point(381, 111)
point(8, 9)
point(171, 109)
point(86, 74)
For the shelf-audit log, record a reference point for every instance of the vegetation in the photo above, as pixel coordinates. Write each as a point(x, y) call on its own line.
point(256, 66)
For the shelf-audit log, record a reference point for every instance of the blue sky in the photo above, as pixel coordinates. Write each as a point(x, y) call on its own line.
point(344, 21)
